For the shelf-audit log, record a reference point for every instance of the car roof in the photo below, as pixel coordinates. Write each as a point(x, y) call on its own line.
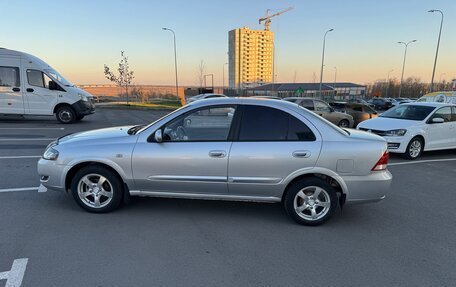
point(245, 101)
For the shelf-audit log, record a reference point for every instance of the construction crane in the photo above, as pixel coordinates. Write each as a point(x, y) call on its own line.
point(267, 17)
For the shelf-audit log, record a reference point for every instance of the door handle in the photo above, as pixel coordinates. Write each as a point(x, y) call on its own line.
point(30, 90)
point(217, 153)
point(301, 153)
point(16, 90)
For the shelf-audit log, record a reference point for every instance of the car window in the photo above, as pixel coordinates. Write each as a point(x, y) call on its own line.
point(308, 104)
point(357, 108)
point(208, 124)
point(35, 78)
point(9, 77)
point(322, 107)
point(444, 113)
point(369, 110)
point(269, 124)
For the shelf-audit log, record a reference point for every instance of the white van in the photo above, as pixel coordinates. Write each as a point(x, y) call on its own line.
point(29, 86)
point(439, 97)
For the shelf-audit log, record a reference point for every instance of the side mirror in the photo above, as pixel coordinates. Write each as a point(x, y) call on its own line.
point(53, 86)
point(438, 120)
point(158, 136)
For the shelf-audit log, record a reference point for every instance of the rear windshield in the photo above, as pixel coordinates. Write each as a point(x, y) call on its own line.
point(408, 112)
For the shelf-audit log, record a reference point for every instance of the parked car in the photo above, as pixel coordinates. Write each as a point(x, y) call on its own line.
point(380, 104)
point(439, 97)
point(413, 128)
point(359, 112)
point(324, 110)
point(276, 150)
point(204, 97)
point(29, 86)
point(358, 101)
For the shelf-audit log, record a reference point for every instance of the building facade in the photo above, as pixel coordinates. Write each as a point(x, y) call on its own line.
point(251, 57)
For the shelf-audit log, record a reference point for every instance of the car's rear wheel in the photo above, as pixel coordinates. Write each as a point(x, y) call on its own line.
point(97, 189)
point(65, 115)
point(344, 124)
point(310, 201)
point(414, 148)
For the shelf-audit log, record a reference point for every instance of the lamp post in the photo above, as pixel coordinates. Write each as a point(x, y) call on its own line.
point(323, 61)
point(437, 50)
point(335, 81)
point(223, 75)
point(388, 82)
point(175, 58)
point(403, 64)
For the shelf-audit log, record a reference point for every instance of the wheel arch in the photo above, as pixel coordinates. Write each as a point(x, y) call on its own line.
point(59, 105)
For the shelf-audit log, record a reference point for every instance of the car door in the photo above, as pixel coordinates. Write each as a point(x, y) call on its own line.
point(440, 135)
point(40, 99)
point(270, 145)
point(193, 156)
point(11, 97)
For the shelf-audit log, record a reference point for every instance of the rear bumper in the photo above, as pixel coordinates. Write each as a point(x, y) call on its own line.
point(371, 188)
point(83, 108)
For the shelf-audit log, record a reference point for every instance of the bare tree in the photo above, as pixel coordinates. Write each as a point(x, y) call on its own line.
point(125, 75)
point(201, 71)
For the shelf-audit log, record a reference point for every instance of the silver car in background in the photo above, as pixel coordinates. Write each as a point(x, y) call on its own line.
point(240, 149)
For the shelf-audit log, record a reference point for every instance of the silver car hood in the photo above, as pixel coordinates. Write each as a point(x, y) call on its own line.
point(114, 132)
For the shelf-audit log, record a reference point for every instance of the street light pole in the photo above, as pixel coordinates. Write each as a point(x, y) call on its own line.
point(175, 58)
point(437, 50)
point(335, 81)
point(388, 82)
point(223, 75)
point(323, 61)
point(403, 64)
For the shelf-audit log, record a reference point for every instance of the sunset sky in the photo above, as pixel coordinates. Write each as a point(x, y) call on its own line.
point(78, 37)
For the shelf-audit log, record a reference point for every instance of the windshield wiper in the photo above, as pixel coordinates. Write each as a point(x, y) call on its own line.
point(135, 129)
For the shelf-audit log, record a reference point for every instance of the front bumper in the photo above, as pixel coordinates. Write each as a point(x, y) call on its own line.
point(371, 188)
point(397, 144)
point(83, 108)
point(52, 175)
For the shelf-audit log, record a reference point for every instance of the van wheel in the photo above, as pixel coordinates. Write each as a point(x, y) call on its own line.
point(310, 201)
point(414, 149)
point(66, 115)
point(78, 118)
point(97, 189)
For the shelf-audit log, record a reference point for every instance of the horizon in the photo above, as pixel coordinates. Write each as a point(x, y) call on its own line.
point(363, 45)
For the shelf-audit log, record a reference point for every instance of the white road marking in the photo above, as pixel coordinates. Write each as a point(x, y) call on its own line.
point(19, 156)
point(16, 274)
point(422, 161)
point(60, 129)
point(19, 189)
point(22, 139)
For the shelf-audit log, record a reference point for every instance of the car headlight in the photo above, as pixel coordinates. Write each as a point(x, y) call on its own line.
point(83, 97)
point(394, 133)
point(51, 153)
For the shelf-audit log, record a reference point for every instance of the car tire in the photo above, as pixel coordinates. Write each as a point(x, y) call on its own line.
point(306, 207)
point(79, 118)
point(344, 124)
point(66, 115)
point(414, 149)
point(94, 196)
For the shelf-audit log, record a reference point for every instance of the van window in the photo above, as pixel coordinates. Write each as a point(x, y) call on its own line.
point(9, 77)
point(35, 78)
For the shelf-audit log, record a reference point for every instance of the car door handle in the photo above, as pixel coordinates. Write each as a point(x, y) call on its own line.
point(217, 153)
point(301, 153)
point(30, 90)
point(16, 90)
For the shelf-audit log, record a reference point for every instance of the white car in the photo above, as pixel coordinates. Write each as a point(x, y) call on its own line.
point(413, 128)
point(204, 96)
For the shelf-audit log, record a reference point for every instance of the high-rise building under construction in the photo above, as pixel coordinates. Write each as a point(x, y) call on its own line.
point(251, 57)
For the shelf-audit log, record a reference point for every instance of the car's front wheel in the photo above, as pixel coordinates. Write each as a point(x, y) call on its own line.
point(344, 124)
point(97, 189)
point(414, 148)
point(310, 201)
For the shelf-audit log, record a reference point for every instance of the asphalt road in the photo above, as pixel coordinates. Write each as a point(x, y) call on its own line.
point(406, 240)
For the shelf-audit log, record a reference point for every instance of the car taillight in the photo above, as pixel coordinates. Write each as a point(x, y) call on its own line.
point(382, 162)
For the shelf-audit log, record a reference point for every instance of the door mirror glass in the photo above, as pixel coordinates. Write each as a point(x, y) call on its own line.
point(438, 120)
point(158, 136)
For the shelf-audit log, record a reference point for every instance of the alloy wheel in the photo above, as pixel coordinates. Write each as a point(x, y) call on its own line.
point(415, 148)
point(95, 190)
point(312, 203)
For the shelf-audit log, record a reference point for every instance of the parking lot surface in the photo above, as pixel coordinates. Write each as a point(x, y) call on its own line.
point(405, 240)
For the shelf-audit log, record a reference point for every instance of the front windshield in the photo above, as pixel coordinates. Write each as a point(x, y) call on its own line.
point(54, 74)
point(408, 112)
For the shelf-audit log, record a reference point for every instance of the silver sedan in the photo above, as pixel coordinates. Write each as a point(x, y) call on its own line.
point(240, 149)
